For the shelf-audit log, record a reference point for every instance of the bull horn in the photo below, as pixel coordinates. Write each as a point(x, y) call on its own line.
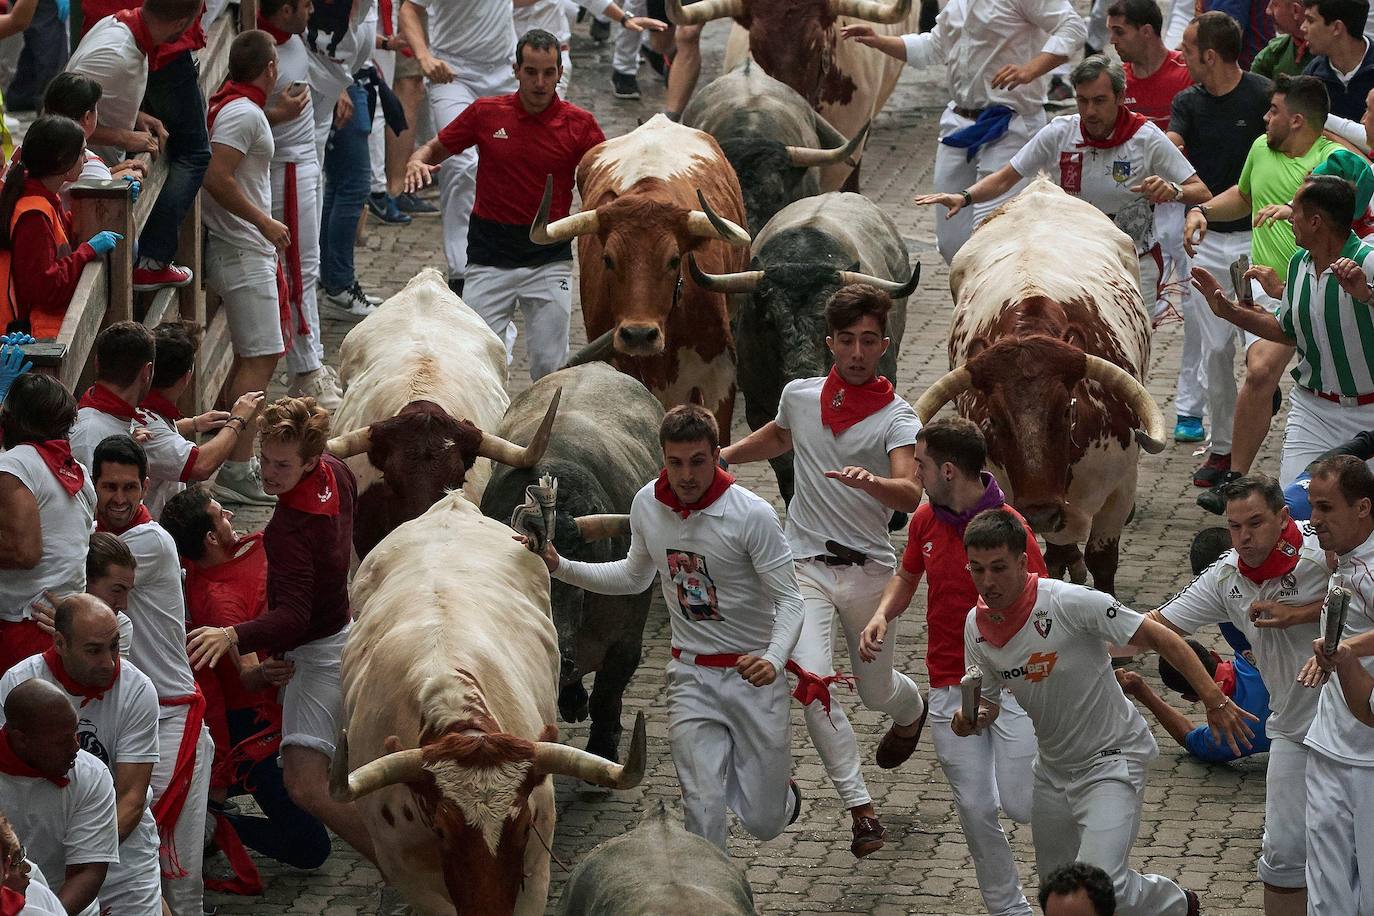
point(569, 227)
point(746, 281)
point(872, 10)
point(708, 224)
point(950, 385)
point(703, 11)
point(498, 449)
point(1125, 386)
point(602, 527)
point(350, 444)
point(400, 767)
point(595, 351)
point(562, 760)
point(891, 287)
point(806, 156)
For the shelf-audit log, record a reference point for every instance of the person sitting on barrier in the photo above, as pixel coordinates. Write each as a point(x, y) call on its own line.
point(74, 96)
point(35, 229)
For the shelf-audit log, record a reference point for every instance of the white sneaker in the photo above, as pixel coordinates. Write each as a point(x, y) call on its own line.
point(240, 483)
point(348, 304)
point(332, 378)
point(318, 386)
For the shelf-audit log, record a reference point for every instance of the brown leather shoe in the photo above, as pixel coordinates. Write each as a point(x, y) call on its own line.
point(868, 837)
point(894, 749)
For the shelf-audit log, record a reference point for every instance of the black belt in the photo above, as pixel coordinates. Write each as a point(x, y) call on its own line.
point(840, 555)
point(973, 114)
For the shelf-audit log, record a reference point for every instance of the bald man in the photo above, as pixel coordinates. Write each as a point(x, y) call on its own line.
point(59, 798)
point(117, 709)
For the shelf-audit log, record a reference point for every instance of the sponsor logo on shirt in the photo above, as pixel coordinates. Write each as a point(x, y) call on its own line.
point(1289, 581)
point(1036, 668)
point(1287, 549)
point(1234, 593)
point(928, 547)
point(1121, 171)
point(1071, 172)
point(500, 134)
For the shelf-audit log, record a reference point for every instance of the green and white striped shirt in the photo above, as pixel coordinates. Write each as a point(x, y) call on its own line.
point(1334, 333)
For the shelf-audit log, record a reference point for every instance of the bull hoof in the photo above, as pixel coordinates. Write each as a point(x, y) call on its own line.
point(604, 743)
point(1078, 573)
point(572, 702)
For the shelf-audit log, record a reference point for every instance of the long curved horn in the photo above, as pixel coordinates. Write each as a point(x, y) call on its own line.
point(569, 227)
point(602, 527)
point(498, 449)
point(891, 287)
point(402, 766)
point(1128, 388)
point(805, 156)
point(706, 223)
point(949, 386)
point(872, 10)
point(593, 352)
point(562, 760)
point(349, 444)
point(746, 281)
point(703, 11)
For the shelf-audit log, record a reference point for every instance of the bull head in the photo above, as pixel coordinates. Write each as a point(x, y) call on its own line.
point(773, 175)
point(747, 281)
point(707, 10)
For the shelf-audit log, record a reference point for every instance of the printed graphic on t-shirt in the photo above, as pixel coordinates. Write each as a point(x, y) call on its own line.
point(85, 735)
point(1071, 172)
point(696, 593)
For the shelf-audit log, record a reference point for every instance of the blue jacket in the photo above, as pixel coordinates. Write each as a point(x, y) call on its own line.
point(1347, 99)
point(1250, 695)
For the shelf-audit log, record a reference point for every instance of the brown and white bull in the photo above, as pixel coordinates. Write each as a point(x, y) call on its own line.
point(1048, 348)
point(450, 676)
point(649, 198)
point(798, 42)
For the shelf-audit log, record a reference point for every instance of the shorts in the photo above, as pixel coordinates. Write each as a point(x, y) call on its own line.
point(246, 281)
point(407, 66)
point(312, 701)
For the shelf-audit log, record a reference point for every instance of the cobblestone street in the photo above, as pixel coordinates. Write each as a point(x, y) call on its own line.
point(1201, 824)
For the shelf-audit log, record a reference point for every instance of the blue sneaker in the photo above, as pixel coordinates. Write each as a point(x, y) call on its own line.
point(1189, 429)
point(383, 206)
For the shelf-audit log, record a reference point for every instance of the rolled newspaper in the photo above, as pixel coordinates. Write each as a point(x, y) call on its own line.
point(971, 689)
point(1333, 614)
point(535, 517)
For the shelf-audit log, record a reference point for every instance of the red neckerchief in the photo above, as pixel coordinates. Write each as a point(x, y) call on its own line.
point(843, 404)
point(1012, 618)
point(316, 493)
point(106, 401)
point(161, 405)
point(70, 684)
point(11, 764)
point(141, 517)
point(664, 493)
point(1281, 560)
point(277, 34)
point(142, 37)
point(1226, 677)
point(11, 902)
point(1127, 123)
point(57, 455)
point(226, 93)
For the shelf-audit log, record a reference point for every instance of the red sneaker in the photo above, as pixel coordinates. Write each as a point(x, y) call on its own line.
point(1212, 472)
point(147, 279)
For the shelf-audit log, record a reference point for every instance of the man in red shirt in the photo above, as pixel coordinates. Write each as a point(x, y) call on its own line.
point(1154, 74)
point(995, 765)
point(522, 140)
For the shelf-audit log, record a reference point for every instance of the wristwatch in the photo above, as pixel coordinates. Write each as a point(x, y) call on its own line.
point(1177, 189)
point(968, 198)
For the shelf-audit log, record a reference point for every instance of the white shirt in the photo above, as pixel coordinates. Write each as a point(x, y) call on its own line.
point(170, 454)
point(1104, 177)
point(1222, 593)
point(158, 611)
point(242, 125)
point(109, 55)
point(39, 900)
point(60, 826)
point(66, 522)
point(1058, 669)
point(95, 169)
point(478, 32)
point(823, 509)
point(1335, 731)
point(293, 140)
point(974, 39)
point(736, 552)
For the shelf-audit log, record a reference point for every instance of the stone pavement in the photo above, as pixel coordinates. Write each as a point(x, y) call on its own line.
point(1201, 824)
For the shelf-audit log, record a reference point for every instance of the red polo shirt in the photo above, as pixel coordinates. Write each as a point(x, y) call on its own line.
point(516, 151)
point(1153, 96)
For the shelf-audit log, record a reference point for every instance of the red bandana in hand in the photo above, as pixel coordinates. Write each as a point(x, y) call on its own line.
point(664, 493)
point(11, 764)
point(1127, 123)
point(141, 517)
point(316, 494)
point(57, 455)
point(999, 626)
point(843, 404)
point(106, 401)
point(1281, 560)
point(226, 93)
point(160, 404)
point(71, 685)
point(277, 34)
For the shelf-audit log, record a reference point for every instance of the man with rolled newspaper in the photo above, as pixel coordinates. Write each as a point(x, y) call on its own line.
point(1045, 642)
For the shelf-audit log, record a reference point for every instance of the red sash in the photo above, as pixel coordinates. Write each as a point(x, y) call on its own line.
point(295, 284)
point(167, 809)
point(57, 455)
point(316, 493)
point(1283, 559)
point(71, 685)
point(11, 764)
point(843, 405)
point(810, 687)
point(1126, 126)
point(664, 493)
point(104, 400)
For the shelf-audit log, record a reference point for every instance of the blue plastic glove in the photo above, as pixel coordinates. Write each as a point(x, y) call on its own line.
point(104, 242)
point(18, 337)
point(135, 188)
point(12, 365)
point(64, 9)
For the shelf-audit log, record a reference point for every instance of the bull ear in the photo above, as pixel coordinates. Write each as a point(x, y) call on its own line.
point(975, 346)
point(1074, 337)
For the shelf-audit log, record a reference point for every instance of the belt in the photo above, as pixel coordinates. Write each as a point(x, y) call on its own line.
point(840, 555)
point(829, 560)
point(811, 688)
point(1360, 400)
point(971, 113)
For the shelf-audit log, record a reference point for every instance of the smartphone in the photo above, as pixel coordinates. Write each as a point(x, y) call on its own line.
point(296, 87)
point(45, 353)
point(1242, 286)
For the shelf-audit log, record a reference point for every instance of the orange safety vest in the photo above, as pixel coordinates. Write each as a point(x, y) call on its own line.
point(43, 325)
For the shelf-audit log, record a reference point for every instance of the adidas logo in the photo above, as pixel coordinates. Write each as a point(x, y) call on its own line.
point(1235, 592)
point(500, 134)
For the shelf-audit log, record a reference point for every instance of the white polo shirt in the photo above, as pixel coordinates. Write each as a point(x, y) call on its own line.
point(480, 32)
point(1221, 593)
point(294, 140)
point(823, 509)
point(242, 125)
point(66, 522)
point(1058, 669)
point(1335, 731)
point(158, 611)
point(1104, 177)
point(109, 55)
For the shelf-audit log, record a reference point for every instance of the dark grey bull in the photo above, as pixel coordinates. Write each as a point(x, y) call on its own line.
point(657, 869)
point(807, 251)
point(602, 448)
point(774, 140)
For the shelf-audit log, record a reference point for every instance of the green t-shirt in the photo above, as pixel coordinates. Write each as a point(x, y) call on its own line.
point(1271, 177)
point(1279, 56)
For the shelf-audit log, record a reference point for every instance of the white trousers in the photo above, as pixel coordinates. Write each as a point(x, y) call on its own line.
point(985, 772)
point(458, 174)
point(1213, 385)
point(625, 58)
point(1316, 425)
point(133, 885)
point(544, 295)
point(185, 895)
point(731, 745)
point(1093, 816)
point(376, 140)
point(1340, 838)
point(1283, 853)
point(306, 353)
point(954, 172)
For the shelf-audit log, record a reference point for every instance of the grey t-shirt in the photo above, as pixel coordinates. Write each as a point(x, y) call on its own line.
point(1218, 131)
